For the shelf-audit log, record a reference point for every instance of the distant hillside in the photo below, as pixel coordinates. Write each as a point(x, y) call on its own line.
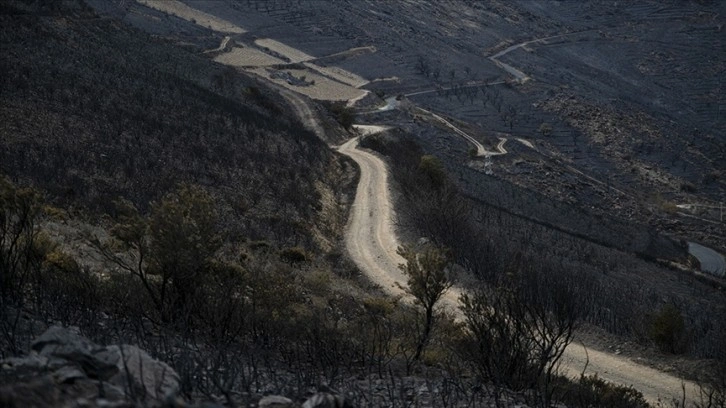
point(92, 110)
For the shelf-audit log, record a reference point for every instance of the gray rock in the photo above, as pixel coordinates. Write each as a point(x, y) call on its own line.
point(107, 403)
point(31, 362)
point(110, 392)
point(68, 374)
point(326, 400)
point(106, 357)
point(275, 401)
point(61, 343)
point(69, 370)
point(82, 388)
point(143, 377)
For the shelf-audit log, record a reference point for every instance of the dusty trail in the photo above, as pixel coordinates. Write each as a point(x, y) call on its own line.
point(370, 237)
point(480, 149)
point(303, 111)
point(477, 84)
point(517, 74)
point(371, 242)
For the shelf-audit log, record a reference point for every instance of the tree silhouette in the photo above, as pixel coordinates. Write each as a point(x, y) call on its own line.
point(427, 282)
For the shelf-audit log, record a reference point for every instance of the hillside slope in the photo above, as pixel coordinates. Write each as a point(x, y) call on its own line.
point(92, 110)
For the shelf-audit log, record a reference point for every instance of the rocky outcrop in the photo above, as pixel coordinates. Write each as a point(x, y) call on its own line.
point(65, 369)
point(142, 376)
point(275, 401)
point(326, 398)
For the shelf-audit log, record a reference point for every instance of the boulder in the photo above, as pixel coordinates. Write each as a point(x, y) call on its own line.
point(275, 401)
point(68, 374)
point(32, 362)
point(143, 376)
point(61, 345)
point(68, 370)
point(327, 400)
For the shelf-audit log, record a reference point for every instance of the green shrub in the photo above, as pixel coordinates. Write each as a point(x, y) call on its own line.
point(667, 329)
point(174, 246)
point(60, 260)
point(431, 167)
point(343, 114)
point(295, 255)
point(592, 391)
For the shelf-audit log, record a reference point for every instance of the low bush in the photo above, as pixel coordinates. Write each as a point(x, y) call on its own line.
point(592, 391)
point(668, 330)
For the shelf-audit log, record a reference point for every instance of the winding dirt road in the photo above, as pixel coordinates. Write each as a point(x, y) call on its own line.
point(370, 237)
point(477, 84)
point(303, 111)
point(372, 243)
point(480, 149)
point(517, 74)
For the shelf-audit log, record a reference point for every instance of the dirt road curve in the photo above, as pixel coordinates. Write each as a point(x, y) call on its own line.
point(517, 74)
point(652, 383)
point(303, 111)
point(480, 149)
point(370, 239)
point(372, 243)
